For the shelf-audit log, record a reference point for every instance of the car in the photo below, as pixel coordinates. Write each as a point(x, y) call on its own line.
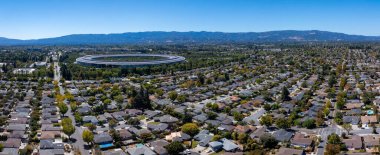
point(320, 145)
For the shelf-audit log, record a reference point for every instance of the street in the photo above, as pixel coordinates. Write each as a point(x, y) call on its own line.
point(77, 136)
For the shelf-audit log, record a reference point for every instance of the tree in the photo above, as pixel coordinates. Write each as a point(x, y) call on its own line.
point(285, 94)
point(67, 126)
point(374, 129)
point(267, 107)
point(340, 103)
point(268, 141)
point(332, 149)
point(66, 121)
point(331, 81)
point(175, 148)
point(141, 100)
point(159, 92)
point(343, 82)
point(68, 129)
point(133, 121)
point(319, 121)
point(347, 127)
point(266, 120)
point(27, 150)
point(333, 139)
point(90, 126)
point(63, 108)
point(328, 104)
point(242, 137)
point(73, 106)
point(172, 95)
point(119, 99)
point(309, 123)
point(146, 136)
point(116, 137)
point(3, 121)
point(334, 144)
point(181, 98)
point(186, 117)
point(112, 123)
point(107, 101)
point(238, 116)
point(304, 84)
point(216, 138)
point(88, 136)
point(367, 98)
point(190, 129)
point(91, 100)
point(78, 118)
point(266, 95)
point(283, 123)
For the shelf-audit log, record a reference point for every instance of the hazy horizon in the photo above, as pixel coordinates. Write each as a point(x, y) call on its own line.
point(176, 31)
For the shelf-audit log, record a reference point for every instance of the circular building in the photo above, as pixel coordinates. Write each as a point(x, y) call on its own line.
point(128, 60)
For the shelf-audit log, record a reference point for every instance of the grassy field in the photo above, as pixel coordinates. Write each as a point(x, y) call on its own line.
point(131, 59)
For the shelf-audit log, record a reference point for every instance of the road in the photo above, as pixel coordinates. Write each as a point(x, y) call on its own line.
point(77, 136)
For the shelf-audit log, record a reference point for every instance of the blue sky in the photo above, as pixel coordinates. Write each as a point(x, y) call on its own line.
point(31, 19)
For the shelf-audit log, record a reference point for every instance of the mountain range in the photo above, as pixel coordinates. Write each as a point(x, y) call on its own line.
point(159, 37)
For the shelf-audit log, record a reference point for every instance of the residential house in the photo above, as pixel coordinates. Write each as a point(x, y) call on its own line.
point(366, 120)
point(229, 146)
point(289, 151)
point(353, 143)
point(354, 120)
point(299, 140)
point(371, 143)
point(104, 140)
point(258, 133)
point(177, 136)
point(158, 146)
point(140, 149)
point(282, 135)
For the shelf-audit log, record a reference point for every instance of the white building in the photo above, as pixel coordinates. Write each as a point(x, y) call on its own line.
point(24, 70)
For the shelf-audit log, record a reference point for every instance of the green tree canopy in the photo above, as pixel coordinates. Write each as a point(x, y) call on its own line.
point(283, 123)
point(309, 123)
point(173, 95)
point(175, 148)
point(266, 120)
point(190, 128)
point(285, 94)
point(268, 141)
point(63, 108)
point(88, 136)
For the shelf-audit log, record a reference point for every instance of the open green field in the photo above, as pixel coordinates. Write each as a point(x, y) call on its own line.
point(131, 59)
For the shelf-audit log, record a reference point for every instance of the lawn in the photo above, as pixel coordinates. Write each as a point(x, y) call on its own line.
point(154, 123)
point(141, 117)
point(194, 144)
